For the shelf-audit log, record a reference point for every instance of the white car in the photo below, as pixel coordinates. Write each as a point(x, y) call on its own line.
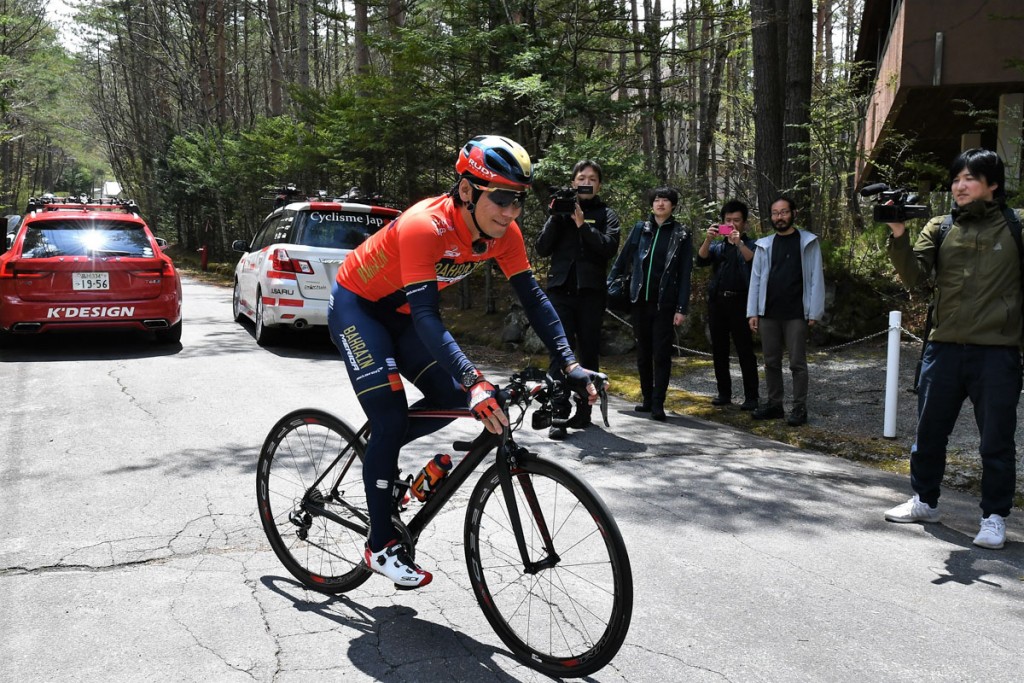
point(285, 276)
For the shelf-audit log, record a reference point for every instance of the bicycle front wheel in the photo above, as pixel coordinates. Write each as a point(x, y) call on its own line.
point(568, 612)
point(309, 489)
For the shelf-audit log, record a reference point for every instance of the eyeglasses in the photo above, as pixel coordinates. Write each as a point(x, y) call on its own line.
point(780, 214)
point(503, 197)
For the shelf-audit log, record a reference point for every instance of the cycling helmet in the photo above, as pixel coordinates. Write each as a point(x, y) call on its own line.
point(493, 158)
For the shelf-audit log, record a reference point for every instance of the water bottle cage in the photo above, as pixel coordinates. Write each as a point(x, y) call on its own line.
point(429, 490)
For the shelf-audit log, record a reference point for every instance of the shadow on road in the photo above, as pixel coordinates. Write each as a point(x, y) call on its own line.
point(962, 566)
point(313, 343)
point(391, 643)
point(85, 345)
point(197, 461)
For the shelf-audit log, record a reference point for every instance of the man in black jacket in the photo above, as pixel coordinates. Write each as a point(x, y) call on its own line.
point(727, 301)
point(580, 245)
point(659, 255)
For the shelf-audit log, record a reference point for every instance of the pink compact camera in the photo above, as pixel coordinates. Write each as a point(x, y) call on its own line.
point(724, 229)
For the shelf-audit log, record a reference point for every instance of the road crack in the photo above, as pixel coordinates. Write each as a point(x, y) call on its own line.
point(124, 390)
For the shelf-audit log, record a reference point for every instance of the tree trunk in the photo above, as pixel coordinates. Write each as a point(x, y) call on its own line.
point(653, 31)
point(359, 35)
point(711, 101)
point(768, 147)
point(220, 75)
point(693, 91)
point(276, 60)
point(646, 129)
point(303, 40)
point(796, 120)
point(396, 16)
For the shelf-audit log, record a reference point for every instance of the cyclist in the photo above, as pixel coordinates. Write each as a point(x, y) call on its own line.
point(384, 317)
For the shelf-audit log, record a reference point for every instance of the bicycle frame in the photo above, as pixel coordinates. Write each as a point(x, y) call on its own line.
point(507, 454)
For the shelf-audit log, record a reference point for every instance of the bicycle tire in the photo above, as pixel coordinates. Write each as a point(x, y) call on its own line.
point(321, 553)
point(587, 595)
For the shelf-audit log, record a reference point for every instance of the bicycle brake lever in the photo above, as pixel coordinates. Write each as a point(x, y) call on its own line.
point(604, 406)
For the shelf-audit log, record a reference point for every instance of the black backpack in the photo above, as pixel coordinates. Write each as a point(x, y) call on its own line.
point(1013, 222)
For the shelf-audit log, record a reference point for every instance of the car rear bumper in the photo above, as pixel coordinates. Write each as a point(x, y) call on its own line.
point(29, 317)
point(298, 313)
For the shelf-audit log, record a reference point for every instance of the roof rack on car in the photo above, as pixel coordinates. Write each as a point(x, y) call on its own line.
point(289, 193)
point(83, 203)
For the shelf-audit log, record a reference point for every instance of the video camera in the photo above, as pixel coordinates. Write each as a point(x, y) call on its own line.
point(563, 199)
point(894, 205)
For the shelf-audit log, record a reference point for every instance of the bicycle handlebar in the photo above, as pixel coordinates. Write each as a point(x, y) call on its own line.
point(518, 391)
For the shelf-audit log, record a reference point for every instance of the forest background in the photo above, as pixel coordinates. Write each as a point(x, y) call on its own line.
point(201, 108)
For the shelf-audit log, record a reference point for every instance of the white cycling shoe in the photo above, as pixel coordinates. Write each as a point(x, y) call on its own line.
point(394, 562)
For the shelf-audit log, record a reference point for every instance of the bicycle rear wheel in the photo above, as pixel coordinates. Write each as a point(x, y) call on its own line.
point(569, 614)
point(309, 490)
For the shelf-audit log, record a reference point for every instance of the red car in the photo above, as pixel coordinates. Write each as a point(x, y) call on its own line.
point(88, 265)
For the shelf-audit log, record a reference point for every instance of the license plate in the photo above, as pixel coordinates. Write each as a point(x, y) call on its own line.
point(90, 282)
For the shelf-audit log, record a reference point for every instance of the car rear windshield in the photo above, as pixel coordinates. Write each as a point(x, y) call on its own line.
point(94, 237)
point(337, 229)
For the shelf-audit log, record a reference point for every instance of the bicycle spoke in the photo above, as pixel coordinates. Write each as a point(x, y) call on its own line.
point(569, 609)
point(299, 515)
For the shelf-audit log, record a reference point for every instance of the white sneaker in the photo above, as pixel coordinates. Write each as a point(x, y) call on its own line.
point(394, 562)
point(913, 511)
point(992, 534)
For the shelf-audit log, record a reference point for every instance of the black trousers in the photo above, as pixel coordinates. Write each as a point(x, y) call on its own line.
point(581, 314)
point(727, 317)
point(991, 377)
point(654, 335)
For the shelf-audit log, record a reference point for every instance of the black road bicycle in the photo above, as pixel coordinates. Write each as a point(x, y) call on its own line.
point(547, 562)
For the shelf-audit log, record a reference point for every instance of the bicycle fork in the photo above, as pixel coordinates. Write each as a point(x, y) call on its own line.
point(507, 459)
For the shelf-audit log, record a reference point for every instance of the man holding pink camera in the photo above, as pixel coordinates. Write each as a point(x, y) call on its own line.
point(729, 251)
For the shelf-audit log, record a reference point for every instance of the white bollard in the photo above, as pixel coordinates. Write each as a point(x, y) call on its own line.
point(892, 375)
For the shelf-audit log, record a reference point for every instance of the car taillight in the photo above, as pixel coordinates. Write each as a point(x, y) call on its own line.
point(280, 260)
point(7, 271)
point(168, 268)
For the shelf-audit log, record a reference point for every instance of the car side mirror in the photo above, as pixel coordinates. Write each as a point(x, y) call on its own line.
point(161, 242)
point(241, 246)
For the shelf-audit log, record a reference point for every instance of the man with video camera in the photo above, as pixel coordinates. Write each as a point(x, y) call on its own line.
point(973, 350)
point(581, 236)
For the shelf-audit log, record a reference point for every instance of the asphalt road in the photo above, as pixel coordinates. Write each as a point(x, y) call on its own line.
point(131, 551)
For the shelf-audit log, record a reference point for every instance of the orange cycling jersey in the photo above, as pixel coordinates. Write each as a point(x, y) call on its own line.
point(429, 242)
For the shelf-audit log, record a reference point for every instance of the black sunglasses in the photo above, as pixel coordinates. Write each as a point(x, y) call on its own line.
point(502, 197)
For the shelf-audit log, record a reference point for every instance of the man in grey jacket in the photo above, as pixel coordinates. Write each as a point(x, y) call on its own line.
point(786, 297)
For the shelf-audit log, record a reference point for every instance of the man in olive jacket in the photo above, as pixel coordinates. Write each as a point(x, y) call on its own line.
point(973, 350)
point(580, 245)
